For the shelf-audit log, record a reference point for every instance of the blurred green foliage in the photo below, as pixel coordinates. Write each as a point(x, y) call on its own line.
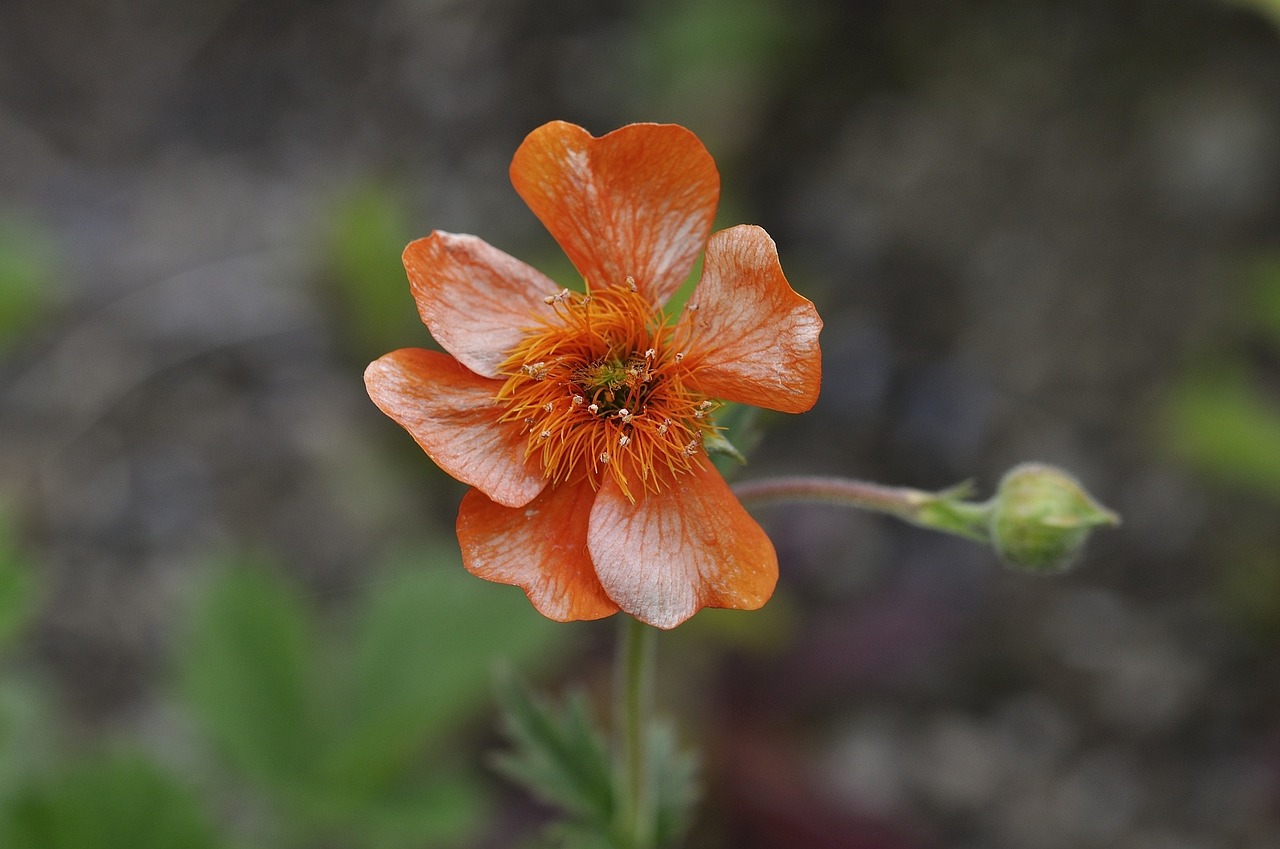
point(113, 801)
point(1221, 417)
point(368, 233)
point(24, 729)
point(27, 276)
point(1225, 426)
point(341, 725)
point(560, 756)
point(1268, 8)
point(1265, 293)
point(346, 730)
point(1249, 589)
point(707, 63)
point(17, 586)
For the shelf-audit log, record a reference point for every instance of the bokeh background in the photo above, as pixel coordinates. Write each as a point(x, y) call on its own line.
point(231, 608)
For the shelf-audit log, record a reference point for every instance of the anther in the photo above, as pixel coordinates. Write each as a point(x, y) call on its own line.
point(578, 400)
point(679, 356)
point(558, 298)
point(691, 448)
point(625, 415)
point(631, 283)
point(650, 354)
point(623, 440)
point(593, 408)
point(546, 434)
point(692, 307)
point(662, 428)
point(604, 456)
point(537, 371)
point(548, 407)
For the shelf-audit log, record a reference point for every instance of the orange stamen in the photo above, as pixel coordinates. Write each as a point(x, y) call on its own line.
point(600, 388)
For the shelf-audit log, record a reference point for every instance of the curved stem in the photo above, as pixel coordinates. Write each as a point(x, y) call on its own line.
point(633, 703)
point(941, 511)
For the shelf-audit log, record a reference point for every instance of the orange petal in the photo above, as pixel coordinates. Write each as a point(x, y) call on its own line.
point(670, 554)
point(541, 548)
point(477, 300)
point(754, 339)
point(637, 202)
point(450, 412)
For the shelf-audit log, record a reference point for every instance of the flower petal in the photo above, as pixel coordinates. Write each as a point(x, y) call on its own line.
point(541, 548)
point(637, 202)
point(477, 301)
point(450, 412)
point(754, 340)
point(670, 554)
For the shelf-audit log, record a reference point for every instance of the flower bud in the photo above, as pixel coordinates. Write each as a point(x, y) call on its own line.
point(1040, 518)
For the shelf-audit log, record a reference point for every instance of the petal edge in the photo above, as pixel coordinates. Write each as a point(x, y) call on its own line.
point(449, 411)
point(756, 338)
point(670, 554)
point(637, 202)
point(477, 301)
point(541, 548)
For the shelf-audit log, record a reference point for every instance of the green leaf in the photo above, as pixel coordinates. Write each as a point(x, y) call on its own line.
point(248, 673)
point(428, 638)
point(1248, 588)
point(576, 836)
point(739, 435)
point(716, 444)
point(26, 275)
point(26, 734)
point(444, 809)
point(558, 754)
point(1267, 8)
point(1264, 278)
point(18, 590)
point(110, 802)
point(675, 781)
point(369, 232)
point(1222, 425)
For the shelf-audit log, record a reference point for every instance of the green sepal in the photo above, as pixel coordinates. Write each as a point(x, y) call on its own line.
point(950, 511)
point(716, 443)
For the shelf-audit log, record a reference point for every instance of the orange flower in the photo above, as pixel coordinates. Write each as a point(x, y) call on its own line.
point(579, 418)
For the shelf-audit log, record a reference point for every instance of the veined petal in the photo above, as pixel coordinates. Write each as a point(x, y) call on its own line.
point(753, 339)
point(541, 548)
point(670, 554)
point(449, 411)
point(477, 301)
point(636, 203)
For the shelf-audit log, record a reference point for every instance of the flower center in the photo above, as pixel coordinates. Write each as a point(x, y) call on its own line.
point(600, 386)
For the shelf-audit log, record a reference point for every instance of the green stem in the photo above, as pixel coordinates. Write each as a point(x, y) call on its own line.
point(634, 702)
point(945, 511)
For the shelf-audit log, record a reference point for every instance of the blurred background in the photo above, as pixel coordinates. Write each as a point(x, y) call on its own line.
point(231, 608)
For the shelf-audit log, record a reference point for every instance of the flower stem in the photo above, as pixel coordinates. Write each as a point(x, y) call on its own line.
point(633, 704)
point(945, 511)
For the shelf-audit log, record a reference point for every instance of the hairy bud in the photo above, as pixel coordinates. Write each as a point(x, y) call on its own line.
point(1041, 517)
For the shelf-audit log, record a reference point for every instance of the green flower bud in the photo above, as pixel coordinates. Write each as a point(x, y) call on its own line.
point(1040, 518)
